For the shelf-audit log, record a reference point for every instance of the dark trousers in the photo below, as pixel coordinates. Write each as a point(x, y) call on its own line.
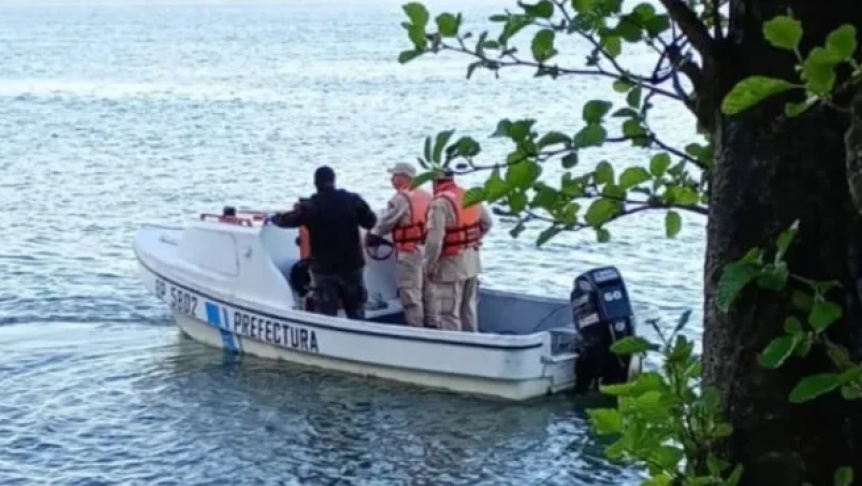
point(347, 287)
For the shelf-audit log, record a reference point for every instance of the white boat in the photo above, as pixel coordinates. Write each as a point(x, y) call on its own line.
point(234, 282)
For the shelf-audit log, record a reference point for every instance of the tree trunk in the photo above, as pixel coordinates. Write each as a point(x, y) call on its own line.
point(769, 172)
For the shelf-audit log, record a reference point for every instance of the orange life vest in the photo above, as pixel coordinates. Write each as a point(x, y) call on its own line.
point(304, 243)
point(467, 230)
point(406, 237)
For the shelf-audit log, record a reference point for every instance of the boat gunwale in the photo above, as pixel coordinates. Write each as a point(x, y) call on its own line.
point(368, 332)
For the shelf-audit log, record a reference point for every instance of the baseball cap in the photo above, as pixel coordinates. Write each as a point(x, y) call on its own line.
point(403, 168)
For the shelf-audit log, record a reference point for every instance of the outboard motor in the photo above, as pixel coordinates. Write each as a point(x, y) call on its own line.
point(603, 315)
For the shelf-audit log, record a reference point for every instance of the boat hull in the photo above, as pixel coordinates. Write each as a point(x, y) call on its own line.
point(501, 389)
point(504, 367)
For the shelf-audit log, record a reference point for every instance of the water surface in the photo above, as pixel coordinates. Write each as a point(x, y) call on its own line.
point(119, 114)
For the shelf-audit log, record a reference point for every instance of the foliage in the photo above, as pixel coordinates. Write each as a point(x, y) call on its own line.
point(804, 327)
point(812, 315)
point(669, 179)
point(663, 420)
point(817, 70)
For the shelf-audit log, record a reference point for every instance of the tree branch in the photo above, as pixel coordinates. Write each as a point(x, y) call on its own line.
point(530, 215)
point(691, 26)
point(716, 20)
point(498, 63)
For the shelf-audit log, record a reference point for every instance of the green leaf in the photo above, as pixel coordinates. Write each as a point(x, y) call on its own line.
point(517, 202)
point(659, 164)
point(595, 110)
point(622, 85)
point(773, 277)
point(722, 430)
point(843, 476)
point(632, 128)
point(646, 381)
point(416, 34)
point(842, 42)
point(604, 173)
point(783, 32)
point(818, 70)
point(570, 160)
point(423, 178)
point(474, 195)
point(801, 300)
point(600, 211)
point(613, 45)
point(672, 223)
point(813, 386)
point(777, 351)
point(585, 6)
point(553, 138)
point(734, 477)
point(792, 325)
point(715, 465)
point(417, 13)
point(547, 234)
point(603, 235)
point(751, 91)
point(519, 130)
point(440, 143)
point(447, 25)
point(667, 457)
point(427, 152)
point(514, 24)
point(628, 28)
point(735, 277)
point(605, 420)
point(546, 197)
point(591, 136)
point(517, 229)
point(803, 345)
point(632, 176)
point(406, 56)
point(634, 97)
point(631, 345)
point(523, 174)
point(543, 9)
point(823, 314)
point(543, 45)
point(569, 213)
point(495, 187)
point(468, 147)
point(851, 392)
point(785, 239)
point(657, 25)
point(793, 110)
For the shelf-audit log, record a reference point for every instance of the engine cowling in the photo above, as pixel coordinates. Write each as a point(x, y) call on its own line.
point(603, 314)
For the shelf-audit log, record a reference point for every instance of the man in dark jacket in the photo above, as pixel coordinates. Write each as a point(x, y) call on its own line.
point(333, 217)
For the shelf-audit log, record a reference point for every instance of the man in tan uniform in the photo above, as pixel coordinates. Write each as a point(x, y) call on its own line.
point(405, 219)
point(452, 259)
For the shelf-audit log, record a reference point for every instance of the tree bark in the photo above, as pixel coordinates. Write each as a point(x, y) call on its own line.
point(769, 172)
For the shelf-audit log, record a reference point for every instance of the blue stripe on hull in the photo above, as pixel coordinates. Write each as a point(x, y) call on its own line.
point(214, 318)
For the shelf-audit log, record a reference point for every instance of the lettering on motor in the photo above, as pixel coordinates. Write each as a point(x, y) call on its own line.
point(274, 332)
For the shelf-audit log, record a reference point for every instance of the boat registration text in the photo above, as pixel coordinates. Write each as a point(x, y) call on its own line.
point(263, 328)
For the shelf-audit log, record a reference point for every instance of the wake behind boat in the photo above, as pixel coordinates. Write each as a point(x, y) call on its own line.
point(235, 282)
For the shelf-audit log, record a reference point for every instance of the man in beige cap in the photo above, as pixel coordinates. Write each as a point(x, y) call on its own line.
point(405, 219)
point(452, 260)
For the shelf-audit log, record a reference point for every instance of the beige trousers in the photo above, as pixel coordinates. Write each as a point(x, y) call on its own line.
point(456, 304)
point(416, 293)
